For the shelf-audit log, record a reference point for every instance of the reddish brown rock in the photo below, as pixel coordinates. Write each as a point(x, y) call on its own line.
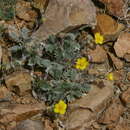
point(24, 11)
point(125, 97)
point(65, 15)
point(116, 62)
point(98, 55)
point(20, 112)
point(112, 114)
point(81, 112)
point(18, 82)
point(122, 46)
point(115, 7)
point(108, 27)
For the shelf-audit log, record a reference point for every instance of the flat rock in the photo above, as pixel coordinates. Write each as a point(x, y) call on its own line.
point(108, 27)
point(112, 113)
point(115, 7)
point(125, 97)
point(30, 125)
point(122, 46)
point(98, 55)
point(65, 15)
point(18, 82)
point(18, 112)
point(84, 110)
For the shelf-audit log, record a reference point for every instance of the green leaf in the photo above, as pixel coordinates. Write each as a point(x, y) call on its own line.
point(44, 86)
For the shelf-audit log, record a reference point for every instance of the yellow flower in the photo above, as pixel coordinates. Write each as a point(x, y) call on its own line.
point(99, 38)
point(110, 76)
point(81, 63)
point(60, 107)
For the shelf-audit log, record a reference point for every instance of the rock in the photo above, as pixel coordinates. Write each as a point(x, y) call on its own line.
point(24, 11)
point(115, 7)
point(30, 125)
point(18, 82)
point(5, 95)
point(65, 15)
point(125, 97)
point(108, 27)
point(40, 4)
point(116, 62)
point(112, 114)
point(98, 55)
point(122, 46)
point(81, 112)
point(18, 112)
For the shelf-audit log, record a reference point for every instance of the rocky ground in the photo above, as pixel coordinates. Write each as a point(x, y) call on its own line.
point(107, 105)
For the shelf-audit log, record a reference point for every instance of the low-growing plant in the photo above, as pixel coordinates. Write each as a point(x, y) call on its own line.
point(56, 59)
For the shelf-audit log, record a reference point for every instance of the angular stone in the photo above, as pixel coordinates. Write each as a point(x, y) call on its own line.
point(122, 46)
point(24, 11)
point(20, 112)
point(65, 15)
point(125, 97)
point(117, 62)
point(108, 27)
point(83, 111)
point(30, 125)
point(112, 114)
point(115, 7)
point(19, 82)
point(98, 55)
